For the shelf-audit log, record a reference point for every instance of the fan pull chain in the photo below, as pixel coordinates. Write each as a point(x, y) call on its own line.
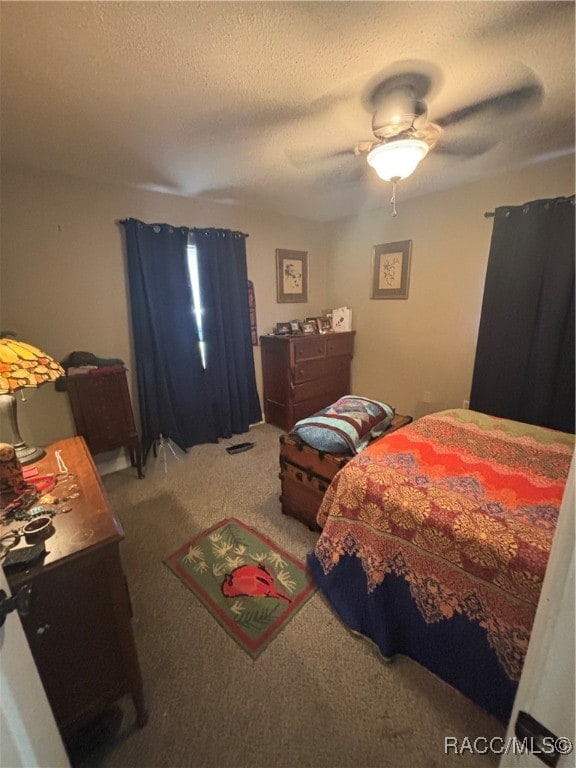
point(393, 198)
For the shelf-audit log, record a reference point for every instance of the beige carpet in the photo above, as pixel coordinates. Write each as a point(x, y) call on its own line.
point(318, 696)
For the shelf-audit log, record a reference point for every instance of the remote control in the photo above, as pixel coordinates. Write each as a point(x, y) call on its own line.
point(239, 447)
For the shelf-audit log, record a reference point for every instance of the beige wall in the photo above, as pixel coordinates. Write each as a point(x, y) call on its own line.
point(426, 344)
point(63, 283)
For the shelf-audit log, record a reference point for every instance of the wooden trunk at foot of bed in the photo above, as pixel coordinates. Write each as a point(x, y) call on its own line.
point(306, 473)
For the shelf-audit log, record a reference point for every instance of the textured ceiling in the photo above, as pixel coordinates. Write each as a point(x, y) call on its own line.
point(247, 102)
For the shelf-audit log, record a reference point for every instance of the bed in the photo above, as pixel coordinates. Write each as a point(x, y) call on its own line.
point(435, 542)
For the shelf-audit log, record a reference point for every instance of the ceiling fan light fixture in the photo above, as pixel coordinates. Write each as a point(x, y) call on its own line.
point(397, 159)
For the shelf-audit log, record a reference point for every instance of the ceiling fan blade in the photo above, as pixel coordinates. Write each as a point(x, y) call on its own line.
point(306, 159)
point(343, 174)
point(503, 104)
point(465, 147)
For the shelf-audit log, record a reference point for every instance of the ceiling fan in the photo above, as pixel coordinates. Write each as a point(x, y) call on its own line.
point(403, 135)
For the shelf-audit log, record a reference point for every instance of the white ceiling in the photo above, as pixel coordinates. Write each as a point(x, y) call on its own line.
point(243, 102)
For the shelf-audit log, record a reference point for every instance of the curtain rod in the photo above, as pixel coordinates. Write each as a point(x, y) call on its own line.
point(233, 231)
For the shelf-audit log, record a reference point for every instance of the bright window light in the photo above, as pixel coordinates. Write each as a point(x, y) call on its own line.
point(196, 298)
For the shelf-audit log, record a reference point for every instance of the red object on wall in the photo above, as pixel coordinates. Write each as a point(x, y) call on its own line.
point(252, 307)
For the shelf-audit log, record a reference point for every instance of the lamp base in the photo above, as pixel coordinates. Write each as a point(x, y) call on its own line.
point(25, 453)
point(28, 454)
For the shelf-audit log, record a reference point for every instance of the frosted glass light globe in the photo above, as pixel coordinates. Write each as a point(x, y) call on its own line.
point(397, 159)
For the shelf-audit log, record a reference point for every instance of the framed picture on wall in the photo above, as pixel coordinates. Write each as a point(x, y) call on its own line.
point(291, 276)
point(391, 270)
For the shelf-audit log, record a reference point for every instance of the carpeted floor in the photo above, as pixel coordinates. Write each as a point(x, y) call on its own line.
point(318, 696)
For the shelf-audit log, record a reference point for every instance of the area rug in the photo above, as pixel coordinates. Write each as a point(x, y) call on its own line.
point(251, 586)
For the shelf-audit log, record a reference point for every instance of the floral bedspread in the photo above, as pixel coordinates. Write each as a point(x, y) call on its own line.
point(461, 505)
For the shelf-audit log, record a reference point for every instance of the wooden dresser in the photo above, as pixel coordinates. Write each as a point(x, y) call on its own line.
point(103, 414)
point(302, 374)
point(79, 624)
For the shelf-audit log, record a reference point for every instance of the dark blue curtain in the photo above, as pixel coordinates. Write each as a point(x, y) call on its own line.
point(177, 397)
point(229, 356)
point(524, 367)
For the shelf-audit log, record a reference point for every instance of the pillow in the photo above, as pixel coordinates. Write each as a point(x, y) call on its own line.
point(346, 426)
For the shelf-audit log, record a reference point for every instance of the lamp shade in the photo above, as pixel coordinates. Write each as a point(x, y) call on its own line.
point(397, 159)
point(22, 365)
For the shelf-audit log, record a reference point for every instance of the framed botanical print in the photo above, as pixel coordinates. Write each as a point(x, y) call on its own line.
point(291, 276)
point(391, 270)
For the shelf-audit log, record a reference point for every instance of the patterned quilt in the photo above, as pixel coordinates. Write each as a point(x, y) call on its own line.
point(463, 507)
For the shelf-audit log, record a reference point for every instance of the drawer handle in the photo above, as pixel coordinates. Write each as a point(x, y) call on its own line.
point(299, 476)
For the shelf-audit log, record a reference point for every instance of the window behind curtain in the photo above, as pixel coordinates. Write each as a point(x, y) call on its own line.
point(197, 307)
point(190, 401)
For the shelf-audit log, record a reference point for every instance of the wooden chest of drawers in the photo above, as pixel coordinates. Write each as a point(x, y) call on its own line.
point(79, 625)
point(306, 473)
point(103, 415)
point(302, 374)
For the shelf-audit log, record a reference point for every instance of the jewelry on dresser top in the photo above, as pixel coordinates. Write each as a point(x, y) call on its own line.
point(61, 463)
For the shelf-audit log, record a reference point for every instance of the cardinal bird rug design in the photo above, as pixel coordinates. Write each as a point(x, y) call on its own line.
point(251, 586)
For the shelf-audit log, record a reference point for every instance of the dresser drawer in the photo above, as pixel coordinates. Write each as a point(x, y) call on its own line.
point(323, 368)
point(309, 349)
point(309, 407)
point(340, 344)
point(323, 387)
point(73, 635)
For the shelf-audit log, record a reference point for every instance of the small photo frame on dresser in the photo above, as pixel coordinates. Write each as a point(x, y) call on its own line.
point(283, 329)
point(308, 327)
point(295, 327)
point(324, 324)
